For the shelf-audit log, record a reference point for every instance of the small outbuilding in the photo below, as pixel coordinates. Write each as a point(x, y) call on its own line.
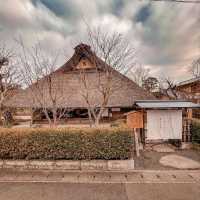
point(162, 120)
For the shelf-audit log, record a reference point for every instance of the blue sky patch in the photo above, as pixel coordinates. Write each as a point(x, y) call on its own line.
point(117, 7)
point(55, 6)
point(143, 14)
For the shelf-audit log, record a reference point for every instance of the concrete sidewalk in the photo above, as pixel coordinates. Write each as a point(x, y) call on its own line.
point(137, 176)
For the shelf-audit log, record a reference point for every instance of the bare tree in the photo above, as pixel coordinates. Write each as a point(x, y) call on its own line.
point(8, 75)
point(151, 84)
point(46, 88)
point(109, 53)
point(139, 74)
point(168, 88)
point(195, 69)
point(171, 89)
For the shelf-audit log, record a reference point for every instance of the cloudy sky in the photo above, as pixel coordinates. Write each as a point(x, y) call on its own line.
point(166, 35)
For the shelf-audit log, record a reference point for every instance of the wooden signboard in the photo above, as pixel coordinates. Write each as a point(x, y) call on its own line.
point(135, 119)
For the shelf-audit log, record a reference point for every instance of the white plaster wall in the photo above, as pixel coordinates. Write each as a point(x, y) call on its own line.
point(164, 124)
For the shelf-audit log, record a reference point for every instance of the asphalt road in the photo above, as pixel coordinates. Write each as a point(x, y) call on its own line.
point(96, 191)
point(137, 185)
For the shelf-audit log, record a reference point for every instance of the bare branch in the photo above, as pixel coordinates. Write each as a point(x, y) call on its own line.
point(111, 54)
point(139, 74)
point(195, 68)
point(8, 75)
point(46, 87)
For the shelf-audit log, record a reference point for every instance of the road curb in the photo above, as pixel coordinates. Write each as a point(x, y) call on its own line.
point(84, 165)
point(78, 176)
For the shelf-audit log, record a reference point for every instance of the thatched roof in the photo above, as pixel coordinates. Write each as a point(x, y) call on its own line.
point(72, 89)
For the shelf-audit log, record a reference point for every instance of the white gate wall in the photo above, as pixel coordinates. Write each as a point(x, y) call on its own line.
point(164, 124)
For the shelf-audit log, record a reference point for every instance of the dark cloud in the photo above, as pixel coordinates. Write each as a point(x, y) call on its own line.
point(117, 7)
point(166, 34)
point(55, 6)
point(62, 8)
point(143, 14)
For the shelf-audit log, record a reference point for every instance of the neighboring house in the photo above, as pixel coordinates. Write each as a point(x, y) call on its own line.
point(191, 89)
point(186, 90)
point(120, 101)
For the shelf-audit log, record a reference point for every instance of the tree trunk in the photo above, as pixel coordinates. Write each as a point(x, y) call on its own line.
point(1, 114)
point(32, 116)
point(1, 122)
point(97, 120)
point(47, 116)
point(90, 117)
point(98, 117)
point(54, 117)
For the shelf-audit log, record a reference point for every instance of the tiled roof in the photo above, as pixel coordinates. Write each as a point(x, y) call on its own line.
point(192, 80)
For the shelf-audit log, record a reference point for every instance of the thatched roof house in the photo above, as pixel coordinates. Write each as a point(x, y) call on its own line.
point(68, 77)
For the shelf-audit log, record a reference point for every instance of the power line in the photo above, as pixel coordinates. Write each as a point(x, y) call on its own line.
point(180, 1)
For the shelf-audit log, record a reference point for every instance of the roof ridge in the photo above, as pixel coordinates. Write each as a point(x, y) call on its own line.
point(188, 81)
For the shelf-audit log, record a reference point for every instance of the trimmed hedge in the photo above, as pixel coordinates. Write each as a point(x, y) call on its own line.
point(70, 144)
point(196, 132)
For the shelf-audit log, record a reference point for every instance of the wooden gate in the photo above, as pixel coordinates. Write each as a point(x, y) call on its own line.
point(187, 134)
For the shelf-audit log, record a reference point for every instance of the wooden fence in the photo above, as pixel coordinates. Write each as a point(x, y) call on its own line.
point(187, 134)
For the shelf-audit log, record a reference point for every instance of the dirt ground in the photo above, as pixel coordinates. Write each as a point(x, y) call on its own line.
point(149, 159)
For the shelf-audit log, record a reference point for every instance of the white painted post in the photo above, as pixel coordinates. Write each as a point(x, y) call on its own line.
point(136, 143)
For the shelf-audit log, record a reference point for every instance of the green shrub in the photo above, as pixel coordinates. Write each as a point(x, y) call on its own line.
point(196, 132)
point(73, 144)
